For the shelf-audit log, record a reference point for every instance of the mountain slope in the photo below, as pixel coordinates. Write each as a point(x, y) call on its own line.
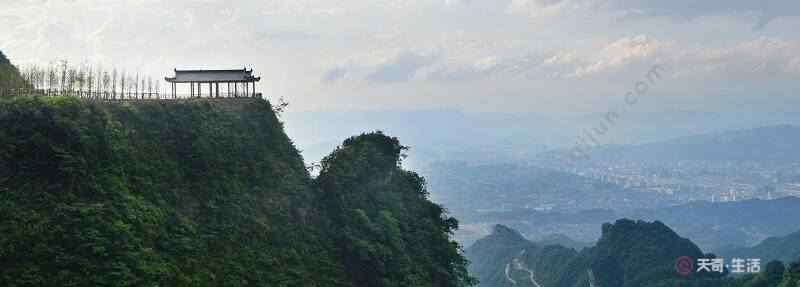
point(9, 75)
point(731, 227)
point(380, 220)
point(506, 258)
point(563, 240)
point(183, 193)
point(629, 253)
point(782, 248)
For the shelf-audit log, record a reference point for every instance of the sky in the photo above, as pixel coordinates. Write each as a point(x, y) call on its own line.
point(540, 56)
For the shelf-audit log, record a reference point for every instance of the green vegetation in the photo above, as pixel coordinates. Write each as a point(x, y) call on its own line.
point(10, 77)
point(385, 229)
point(629, 253)
point(783, 248)
point(776, 274)
point(205, 193)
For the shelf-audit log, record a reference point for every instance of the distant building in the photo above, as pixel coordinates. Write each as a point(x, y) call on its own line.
point(236, 83)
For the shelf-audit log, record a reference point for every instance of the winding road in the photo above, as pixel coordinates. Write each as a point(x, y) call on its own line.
point(517, 264)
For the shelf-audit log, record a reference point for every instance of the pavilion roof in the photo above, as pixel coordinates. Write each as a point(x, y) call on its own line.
point(213, 76)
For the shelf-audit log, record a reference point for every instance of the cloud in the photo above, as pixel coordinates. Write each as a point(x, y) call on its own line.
point(765, 10)
point(622, 52)
point(334, 74)
point(400, 69)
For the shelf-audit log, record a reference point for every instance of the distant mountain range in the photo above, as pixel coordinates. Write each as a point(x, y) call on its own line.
point(712, 226)
point(783, 248)
point(493, 191)
point(508, 137)
point(769, 143)
point(741, 223)
point(563, 240)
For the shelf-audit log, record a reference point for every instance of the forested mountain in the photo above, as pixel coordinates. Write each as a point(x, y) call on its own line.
point(629, 253)
point(9, 75)
point(782, 248)
point(506, 258)
point(206, 193)
point(563, 240)
point(3, 59)
point(740, 223)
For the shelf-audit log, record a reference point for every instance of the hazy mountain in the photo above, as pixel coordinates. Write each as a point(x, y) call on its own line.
point(563, 240)
point(783, 248)
point(712, 226)
point(742, 223)
point(481, 190)
point(433, 135)
point(629, 253)
point(770, 143)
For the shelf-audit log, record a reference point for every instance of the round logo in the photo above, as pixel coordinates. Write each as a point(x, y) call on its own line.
point(683, 265)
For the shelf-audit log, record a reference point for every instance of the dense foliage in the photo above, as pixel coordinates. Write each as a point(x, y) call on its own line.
point(9, 75)
point(386, 230)
point(201, 193)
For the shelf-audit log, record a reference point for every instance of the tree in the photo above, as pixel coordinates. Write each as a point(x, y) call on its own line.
point(89, 82)
point(71, 78)
point(774, 272)
point(106, 84)
point(114, 85)
point(122, 84)
point(81, 81)
point(136, 88)
point(63, 76)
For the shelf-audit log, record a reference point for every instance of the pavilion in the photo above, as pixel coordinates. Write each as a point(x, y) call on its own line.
point(197, 78)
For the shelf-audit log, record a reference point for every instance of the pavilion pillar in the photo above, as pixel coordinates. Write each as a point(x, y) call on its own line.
point(216, 86)
point(229, 89)
point(191, 90)
point(235, 90)
point(254, 89)
point(246, 89)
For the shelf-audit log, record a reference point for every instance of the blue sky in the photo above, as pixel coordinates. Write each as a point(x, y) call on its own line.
point(543, 56)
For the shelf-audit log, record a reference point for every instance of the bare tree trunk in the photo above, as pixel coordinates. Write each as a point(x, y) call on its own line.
point(63, 76)
point(136, 89)
point(122, 78)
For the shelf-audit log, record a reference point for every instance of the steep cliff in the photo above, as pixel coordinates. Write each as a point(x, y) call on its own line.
point(201, 193)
